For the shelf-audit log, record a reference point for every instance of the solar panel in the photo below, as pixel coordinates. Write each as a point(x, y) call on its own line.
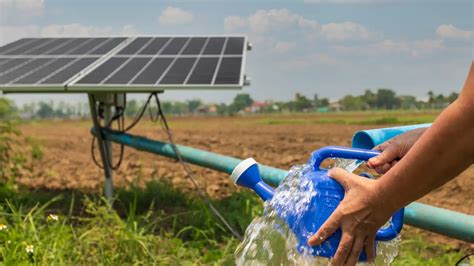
point(122, 64)
point(60, 46)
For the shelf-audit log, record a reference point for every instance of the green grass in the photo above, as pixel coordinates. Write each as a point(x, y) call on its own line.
point(158, 225)
point(417, 251)
point(374, 119)
point(154, 225)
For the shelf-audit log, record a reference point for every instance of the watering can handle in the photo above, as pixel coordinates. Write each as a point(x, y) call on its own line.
point(396, 224)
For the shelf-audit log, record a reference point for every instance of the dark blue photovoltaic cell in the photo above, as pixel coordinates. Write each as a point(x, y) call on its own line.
point(214, 46)
point(32, 45)
point(68, 72)
point(103, 71)
point(194, 46)
point(44, 71)
point(127, 72)
point(174, 46)
point(71, 46)
point(178, 71)
point(204, 71)
point(134, 46)
point(153, 71)
point(12, 63)
point(107, 47)
point(23, 70)
point(235, 45)
point(155, 46)
point(90, 45)
point(229, 71)
point(17, 43)
point(56, 43)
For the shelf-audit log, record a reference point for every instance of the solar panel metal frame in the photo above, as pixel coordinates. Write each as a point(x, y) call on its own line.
point(71, 85)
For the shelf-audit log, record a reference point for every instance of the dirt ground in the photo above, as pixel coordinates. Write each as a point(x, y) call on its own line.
point(67, 162)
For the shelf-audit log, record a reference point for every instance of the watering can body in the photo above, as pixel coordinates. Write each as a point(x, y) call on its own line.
point(329, 193)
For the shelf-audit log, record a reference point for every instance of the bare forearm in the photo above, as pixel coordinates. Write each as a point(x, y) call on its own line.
point(444, 150)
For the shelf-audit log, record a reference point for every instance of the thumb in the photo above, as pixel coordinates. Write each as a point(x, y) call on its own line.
point(342, 177)
point(388, 155)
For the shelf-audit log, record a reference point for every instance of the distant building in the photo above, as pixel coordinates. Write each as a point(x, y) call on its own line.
point(202, 109)
point(335, 106)
point(257, 107)
point(212, 109)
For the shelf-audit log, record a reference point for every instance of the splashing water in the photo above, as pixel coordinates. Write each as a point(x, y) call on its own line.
point(269, 241)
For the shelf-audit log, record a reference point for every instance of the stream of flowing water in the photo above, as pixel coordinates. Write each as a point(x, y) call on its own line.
point(269, 241)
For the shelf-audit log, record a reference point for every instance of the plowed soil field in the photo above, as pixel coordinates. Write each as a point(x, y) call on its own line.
point(67, 163)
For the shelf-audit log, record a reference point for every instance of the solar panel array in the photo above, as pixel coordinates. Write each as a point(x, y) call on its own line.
point(122, 64)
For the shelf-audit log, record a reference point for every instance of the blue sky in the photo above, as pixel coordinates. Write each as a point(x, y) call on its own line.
point(328, 47)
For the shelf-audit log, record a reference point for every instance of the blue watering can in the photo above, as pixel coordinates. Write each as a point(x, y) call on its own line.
point(329, 193)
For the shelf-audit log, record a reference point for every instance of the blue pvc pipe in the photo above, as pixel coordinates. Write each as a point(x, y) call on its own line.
point(446, 222)
point(367, 139)
point(450, 223)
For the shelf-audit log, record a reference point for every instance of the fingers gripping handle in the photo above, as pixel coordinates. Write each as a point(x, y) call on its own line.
point(341, 152)
point(396, 223)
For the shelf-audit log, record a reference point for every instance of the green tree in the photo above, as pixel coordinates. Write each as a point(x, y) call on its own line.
point(301, 103)
point(222, 109)
point(132, 108)
point(241, 101)
point(352, 103)
point(386, 99)
point(45, 110)
point(179, 108)
point(431, 97)
point(318, 103)
point(193, 105)
point(369, 98)
point(407, 102)
point(7, 108)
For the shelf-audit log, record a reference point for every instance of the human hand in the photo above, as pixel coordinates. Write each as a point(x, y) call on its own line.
point(393, 150)
point(359, 215)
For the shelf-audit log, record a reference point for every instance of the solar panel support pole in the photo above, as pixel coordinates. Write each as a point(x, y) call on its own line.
point(105, 147)
point(108, 185)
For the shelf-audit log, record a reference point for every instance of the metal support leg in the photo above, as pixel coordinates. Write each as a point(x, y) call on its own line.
point(105, 147)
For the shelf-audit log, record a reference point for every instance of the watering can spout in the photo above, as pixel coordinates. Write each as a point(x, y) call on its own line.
point(247, 174)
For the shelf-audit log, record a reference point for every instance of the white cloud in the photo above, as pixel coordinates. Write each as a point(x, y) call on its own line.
point(22, 5)
point(391, 47)
point(446, 31)
point(173, 16)
point(276, 20)
point(269, 20)
point(422, 47)
point(12, 33)
point(310, 61)
point(20, 10)
point(344, 31)
point(129, 30)
point(233, 23)
point(283, 47)
point(76, 30)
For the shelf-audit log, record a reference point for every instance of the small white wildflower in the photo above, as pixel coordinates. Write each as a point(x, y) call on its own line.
point(9, 242)
point(3, 227)
point(29, 249)
point(53, 217)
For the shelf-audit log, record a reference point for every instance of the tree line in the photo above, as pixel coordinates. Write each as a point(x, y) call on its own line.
point(380, 99)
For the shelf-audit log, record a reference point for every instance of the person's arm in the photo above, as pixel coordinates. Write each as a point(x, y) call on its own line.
point(440, 154)
point(393, 150)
